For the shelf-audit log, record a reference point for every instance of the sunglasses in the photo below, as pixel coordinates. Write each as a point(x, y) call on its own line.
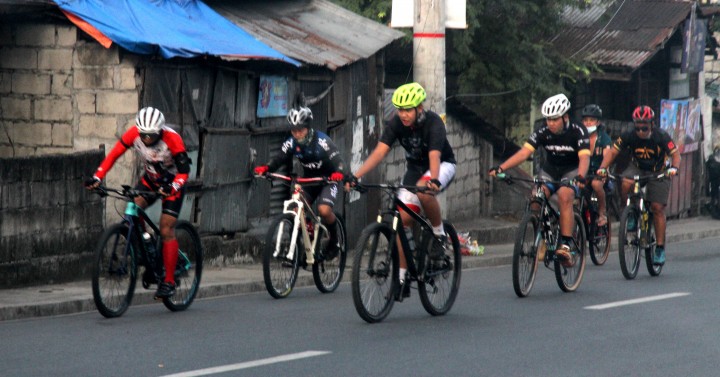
point(148, 136)
point(642, 129)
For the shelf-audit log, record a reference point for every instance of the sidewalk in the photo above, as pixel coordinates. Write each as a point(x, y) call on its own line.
point(494, 235)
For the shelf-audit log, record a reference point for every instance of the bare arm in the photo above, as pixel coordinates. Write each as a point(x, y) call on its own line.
point(518, 158)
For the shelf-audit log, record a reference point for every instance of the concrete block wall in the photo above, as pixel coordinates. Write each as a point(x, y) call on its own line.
point(464, 196)
point(49, 224)
point(61, 92)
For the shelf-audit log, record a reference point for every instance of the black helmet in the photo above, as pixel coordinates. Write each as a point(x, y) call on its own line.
point(593, 111)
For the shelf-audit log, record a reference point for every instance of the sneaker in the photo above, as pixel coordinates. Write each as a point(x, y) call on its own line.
point(563, 252)
point(631, 223)
point(332, 249)
point(602, 220)
point(165, 290)
point(403, 291)
point(659, 256)
point(437, 252)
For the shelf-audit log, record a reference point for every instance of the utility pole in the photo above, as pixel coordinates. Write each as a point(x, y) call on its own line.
point(429, 51)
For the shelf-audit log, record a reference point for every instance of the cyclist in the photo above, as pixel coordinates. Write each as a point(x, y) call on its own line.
point(650, 148)
point(320, 158)
point(167, 166)
point(430, 163)
point(567, 159)
point(600, 144)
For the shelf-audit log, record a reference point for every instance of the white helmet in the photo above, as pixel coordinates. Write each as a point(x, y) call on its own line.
point(555, 106)
point(299, 117)
point(149, 120)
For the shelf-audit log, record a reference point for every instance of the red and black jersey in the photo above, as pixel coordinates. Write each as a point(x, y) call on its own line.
point(648, 154)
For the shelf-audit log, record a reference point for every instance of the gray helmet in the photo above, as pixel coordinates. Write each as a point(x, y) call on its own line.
point(149, 120)
point(299, 117)
point(592, 110)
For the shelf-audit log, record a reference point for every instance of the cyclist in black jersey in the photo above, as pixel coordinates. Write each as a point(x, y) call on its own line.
point(320, 158)
point(567, 148)
point(600, 143)
point(650, 148)
point(430, 162)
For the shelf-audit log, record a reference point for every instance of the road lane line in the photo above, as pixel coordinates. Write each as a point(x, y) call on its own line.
point(248, 364)
point(637, 301)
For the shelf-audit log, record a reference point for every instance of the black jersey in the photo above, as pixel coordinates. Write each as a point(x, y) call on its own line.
point(561, 150)
point(428, 135)
point(647, 154)
point(319, 158)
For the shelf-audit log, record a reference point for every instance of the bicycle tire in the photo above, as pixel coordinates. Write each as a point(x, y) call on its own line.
point(280, 273)
point(374, 273)
point(525, 254)
point(114, 278)
point(188, 270)
point(569, 278)
point(653, 269)
point(629, 243)
point(439, 288)
point(600, 238)
point(328, 274)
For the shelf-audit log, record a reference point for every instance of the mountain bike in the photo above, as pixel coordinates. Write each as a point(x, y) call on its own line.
point(298, 238)
point(133, 243)
point(375, 281)
point(598, 236)
point(537, 238)
point(637, 231)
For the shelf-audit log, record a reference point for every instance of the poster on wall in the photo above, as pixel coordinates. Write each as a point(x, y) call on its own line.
point(272, 97)
point(682, 121)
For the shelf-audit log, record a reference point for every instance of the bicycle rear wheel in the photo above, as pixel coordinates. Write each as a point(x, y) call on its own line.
point(653, 269)
point(374, 273)
point(188, 270)
point(440, 284)
point(525, 254)
point(279, 272)
point(629, 242)
point(569, 278)
point(599, 237)
point(114, 273)
point(327, 274)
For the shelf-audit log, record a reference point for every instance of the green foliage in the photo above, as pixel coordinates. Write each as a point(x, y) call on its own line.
point(504, 59)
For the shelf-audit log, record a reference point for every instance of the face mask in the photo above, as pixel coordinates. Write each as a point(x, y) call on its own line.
point(591, 129)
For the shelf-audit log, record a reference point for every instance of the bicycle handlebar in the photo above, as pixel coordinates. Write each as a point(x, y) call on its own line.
point(127, 192)
point(363, 187)
point(287, 178)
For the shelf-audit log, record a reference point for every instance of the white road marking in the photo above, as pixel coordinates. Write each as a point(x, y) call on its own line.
point(637, 301)
point(248, 364)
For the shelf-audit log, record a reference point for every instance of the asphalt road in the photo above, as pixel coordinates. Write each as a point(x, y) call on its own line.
point(669, 329)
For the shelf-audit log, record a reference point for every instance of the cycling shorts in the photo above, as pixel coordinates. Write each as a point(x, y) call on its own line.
point(327, 194)
point(171, 205)
point(554, 187)
point(657, 191)
point(416, 176)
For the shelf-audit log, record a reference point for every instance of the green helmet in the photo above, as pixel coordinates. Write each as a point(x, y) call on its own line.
point(409, 96)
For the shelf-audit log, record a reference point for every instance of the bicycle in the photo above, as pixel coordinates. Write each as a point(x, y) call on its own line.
point(599, 237)
point(642, 236)
point(298, 229)
point(127, 245)
point(375, 281)
point(537, 238)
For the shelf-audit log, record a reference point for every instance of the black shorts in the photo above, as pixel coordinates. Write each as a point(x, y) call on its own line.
point(171, 205)
point(328, 194)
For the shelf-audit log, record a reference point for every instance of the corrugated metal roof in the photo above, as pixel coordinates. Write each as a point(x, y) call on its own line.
point(314, 32)
point(622, 34)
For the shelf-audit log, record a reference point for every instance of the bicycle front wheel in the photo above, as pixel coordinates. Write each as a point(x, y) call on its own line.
point(525, 254)
point(374, 273)
point(629, 242)
point(440, 284)
point(188, 269)
point(599, 237)
point(279, 271)
point(653, 269)
point(114, 273)
point(569, 278)
point(327, 273)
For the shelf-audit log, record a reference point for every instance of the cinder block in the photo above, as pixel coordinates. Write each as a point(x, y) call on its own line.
point(104, 127)
point(117, 102)
point(31, 134)
point(93, 54)
point(85, 102)
point(55, 59)
point(66, 36)
point(61, 84)
point(93, 78)
point(5, 82)
point(35, 35)
point(16, 108)
point(126, 79)
point(53, 109)
point(62, 135)
point(18, 58)
point(30, 83)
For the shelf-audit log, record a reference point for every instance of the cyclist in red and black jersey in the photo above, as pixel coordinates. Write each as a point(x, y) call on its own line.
point(567, 147)
point(167, 166)
point(650, 148)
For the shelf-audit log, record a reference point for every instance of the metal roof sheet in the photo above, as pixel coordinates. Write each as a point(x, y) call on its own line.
point(621, 34)
point(311, 31)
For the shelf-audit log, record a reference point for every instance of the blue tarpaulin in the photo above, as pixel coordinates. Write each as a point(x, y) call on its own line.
point(172, 28)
